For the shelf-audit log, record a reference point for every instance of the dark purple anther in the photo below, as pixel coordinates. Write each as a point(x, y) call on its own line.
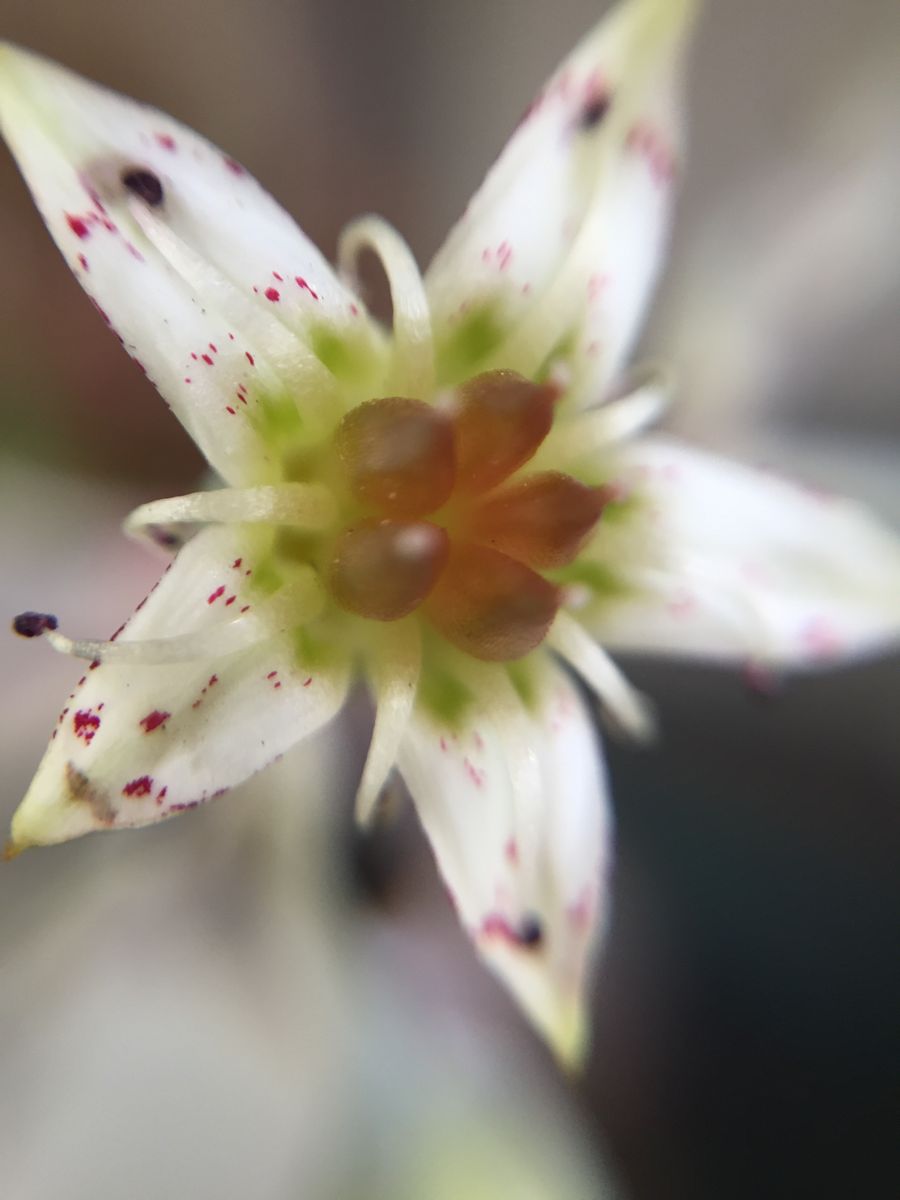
point(33, 624)
point(594, 111)
point(530, 932)
point(143, 184)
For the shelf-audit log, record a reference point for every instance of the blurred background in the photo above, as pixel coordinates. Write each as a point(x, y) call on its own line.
point(251, 1001)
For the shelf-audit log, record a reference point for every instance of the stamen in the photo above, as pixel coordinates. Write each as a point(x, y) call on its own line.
point(395, 676)
point(398, 455)
point(34, 624)
point(297, 603)
point(414, 347)
point(307, 505)
point(144, 185)
point(630, 709)
point(595, 430)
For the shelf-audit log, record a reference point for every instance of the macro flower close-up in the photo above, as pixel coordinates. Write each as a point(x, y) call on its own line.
point(462, 508)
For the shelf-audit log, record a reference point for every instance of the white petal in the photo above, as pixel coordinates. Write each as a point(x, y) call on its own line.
point(135, 744)
point(562, 242)
point(731, 562)
point(516, 861)
point(189, 285)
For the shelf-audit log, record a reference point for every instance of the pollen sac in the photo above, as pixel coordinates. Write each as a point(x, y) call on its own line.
point(543, 521)
point(500, 422)
point(490, 605)
point(384, 569)
point(398, 456)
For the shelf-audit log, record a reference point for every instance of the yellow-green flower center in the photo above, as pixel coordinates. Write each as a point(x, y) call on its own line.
point(437, 515)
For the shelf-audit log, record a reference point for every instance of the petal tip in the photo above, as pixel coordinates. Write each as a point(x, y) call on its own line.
point(14, 848)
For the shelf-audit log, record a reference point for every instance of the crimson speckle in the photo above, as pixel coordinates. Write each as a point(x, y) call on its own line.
point(213, 679)
point(230, 410)
point(214, 596)
point(234, 167)
point(141, 786)
point(153, 720)
point(273, 294)
point(301, 283)
point(230, 600)
point(237, 562)
point(271, 675)
point(280, 278)
point(78, 226)
point(85, 724)
point(165, 140)
point(250, 359)
point(83, 263)
point(307, 681)
point(206, 358)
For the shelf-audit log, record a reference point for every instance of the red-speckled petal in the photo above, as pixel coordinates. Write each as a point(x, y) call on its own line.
point(135, 744)
point(526, 869)
point(183, 263)
point(727, 562)
point(558, 250)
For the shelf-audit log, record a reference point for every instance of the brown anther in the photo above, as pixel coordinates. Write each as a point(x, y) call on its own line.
point(490, 605)
point(543, 521)
point(398, 455)
point(501, 421)
point(384, 569)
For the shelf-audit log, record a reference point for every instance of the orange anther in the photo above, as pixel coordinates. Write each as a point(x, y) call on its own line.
point(543, 521)
point(501, 421)
point(384, 569)
point(398, 455)
point(491, 606)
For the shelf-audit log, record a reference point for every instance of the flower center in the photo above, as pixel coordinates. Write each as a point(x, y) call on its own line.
point(439, 518)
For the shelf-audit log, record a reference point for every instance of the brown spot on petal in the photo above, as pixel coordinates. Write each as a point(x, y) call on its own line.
point(80, 790)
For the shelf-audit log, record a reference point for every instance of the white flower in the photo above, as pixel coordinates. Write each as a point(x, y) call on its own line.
point(435, 507)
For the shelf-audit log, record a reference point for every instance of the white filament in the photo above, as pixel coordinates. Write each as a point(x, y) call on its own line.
point(295, 604)
point(595, 430)
point(625, 703)
point(413, 371)
point(394, 669)
point(306, 505)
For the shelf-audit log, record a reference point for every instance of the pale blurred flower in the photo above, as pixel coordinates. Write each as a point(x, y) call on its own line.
point(395, 535)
